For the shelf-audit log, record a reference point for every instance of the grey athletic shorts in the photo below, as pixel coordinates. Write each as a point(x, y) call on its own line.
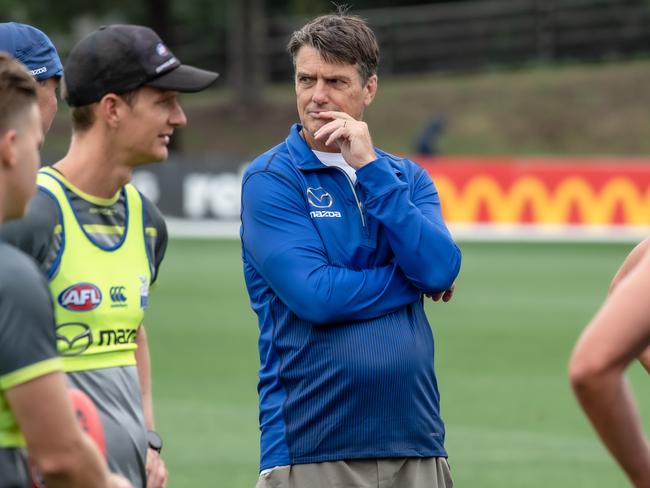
point(363, 473)
point(116, 394)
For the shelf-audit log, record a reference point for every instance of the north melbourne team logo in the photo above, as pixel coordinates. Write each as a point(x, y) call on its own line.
point(80, 297)
point(319, 198)
point(144, 292)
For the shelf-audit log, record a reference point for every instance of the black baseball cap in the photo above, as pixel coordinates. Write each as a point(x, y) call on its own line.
point(120, 58)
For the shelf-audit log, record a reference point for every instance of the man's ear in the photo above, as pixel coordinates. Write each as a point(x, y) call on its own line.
point(8, 152)
point(370, 90)
point(109, 109)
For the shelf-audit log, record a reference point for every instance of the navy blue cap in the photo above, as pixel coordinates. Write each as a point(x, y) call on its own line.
point(31, 47)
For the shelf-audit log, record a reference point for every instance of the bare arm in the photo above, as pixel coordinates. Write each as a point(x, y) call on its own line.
point(65, 456)
point(143, 363)
point(156, 470)
point(618, 333)
point(631, 261)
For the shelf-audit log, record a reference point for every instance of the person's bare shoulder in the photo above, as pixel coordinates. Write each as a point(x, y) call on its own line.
point(631, 261)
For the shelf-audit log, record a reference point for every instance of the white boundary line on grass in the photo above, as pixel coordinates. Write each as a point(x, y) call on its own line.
point(211, 229)
point(202, 228)
point(549, 233)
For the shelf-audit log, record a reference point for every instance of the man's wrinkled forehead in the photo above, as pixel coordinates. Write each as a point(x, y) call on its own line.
point(309, 61)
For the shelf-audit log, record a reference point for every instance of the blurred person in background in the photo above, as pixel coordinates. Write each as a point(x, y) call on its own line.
point(619, 333)
point(99, 241)
point(341, 242)
point(35, 408)
point(35, 50)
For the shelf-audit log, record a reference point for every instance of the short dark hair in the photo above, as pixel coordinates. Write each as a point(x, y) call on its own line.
point(339, 38)
point(17, 91)
point(83, 117)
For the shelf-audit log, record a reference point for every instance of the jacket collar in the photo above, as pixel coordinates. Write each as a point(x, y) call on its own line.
point(302, 155)
point(300, 152)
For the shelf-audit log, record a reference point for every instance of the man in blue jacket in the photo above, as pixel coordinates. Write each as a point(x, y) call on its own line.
point(341, 242)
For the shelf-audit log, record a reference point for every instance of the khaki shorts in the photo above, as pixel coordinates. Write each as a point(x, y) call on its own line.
point(365, 473)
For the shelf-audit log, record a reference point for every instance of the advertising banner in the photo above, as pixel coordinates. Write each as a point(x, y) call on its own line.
point(543, 191)
point(482, 198)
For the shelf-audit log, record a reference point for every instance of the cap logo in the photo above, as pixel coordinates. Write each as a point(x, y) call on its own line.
point(166, 64)
point(38, 71)
point(161, 49)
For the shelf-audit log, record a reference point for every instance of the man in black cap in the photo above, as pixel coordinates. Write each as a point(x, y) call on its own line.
point(101, 242)
point(34, 404)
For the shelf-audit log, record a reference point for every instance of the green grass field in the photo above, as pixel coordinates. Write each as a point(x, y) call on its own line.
point(502, 348)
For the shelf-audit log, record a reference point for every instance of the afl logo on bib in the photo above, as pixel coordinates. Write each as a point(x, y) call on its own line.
point(80, 297)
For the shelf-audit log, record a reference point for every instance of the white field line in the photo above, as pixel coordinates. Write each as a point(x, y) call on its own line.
point(229, 229)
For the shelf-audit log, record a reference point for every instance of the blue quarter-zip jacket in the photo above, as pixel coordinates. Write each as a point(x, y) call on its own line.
point(336, 273)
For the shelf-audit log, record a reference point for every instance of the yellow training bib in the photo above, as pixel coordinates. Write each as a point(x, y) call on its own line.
point(99, 293)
